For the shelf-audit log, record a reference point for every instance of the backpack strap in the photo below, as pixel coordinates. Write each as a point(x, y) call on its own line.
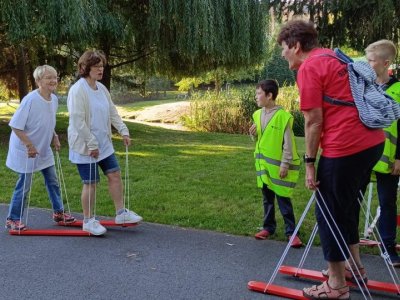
point(337, 102)
point(332, 100)
point(334, 56)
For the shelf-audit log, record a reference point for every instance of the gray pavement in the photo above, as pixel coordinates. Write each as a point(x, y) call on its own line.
point(149, 261)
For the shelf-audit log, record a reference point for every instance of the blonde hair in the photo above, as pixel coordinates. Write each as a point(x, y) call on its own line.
point(39, 71)
point(385, 49)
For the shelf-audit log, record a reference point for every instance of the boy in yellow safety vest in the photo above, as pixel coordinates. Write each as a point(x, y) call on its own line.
point(277, 162)
point(380, 56)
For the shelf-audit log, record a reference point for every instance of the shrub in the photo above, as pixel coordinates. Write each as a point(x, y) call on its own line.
point(298, 123)
point(231, 112)
point(218, 114)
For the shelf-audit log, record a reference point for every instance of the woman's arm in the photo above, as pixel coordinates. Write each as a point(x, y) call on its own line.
point(313, 128)
point(32, 152)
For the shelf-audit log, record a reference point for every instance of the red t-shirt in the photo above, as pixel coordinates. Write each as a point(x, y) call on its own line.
point(342, 132)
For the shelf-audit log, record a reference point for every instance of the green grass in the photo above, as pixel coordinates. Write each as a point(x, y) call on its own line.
point(189, 179)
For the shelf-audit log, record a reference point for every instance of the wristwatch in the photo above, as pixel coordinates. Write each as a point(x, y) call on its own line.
point(309, 160)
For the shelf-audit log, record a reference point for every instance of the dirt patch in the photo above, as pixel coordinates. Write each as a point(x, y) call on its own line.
point(163, 115)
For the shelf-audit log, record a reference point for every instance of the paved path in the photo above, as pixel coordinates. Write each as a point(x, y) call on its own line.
point(149, 261)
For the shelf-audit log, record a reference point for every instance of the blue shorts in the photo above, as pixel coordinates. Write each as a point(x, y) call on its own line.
point(90, 172)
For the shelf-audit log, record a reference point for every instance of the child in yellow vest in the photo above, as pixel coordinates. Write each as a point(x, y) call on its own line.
point(277, 161)
point(380, 56)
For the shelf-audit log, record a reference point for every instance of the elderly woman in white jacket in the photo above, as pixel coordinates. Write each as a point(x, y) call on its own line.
point(91, 114)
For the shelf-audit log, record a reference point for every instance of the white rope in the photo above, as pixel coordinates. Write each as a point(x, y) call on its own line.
point(345, 245)
point(127, 182)
point(23, 191)
point(95, 190)
point(384, 254)
point(309, 244)
point(61, 181)
point(280, 262)
point(307, 249)
point(90, 187)
point(29, 194)
point(366, 227)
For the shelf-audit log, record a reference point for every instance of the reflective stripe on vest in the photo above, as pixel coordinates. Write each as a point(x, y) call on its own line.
point(276, 162)
point(269, 152)
point(277, 181)
point(385, 163)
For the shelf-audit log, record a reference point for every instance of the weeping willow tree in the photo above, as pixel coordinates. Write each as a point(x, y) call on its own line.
point(194, 37)
point(174, 37)
point(36, 30)
point(354, 23)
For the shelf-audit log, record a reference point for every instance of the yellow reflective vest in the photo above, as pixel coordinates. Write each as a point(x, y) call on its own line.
point(385, 163)
point(268, 154)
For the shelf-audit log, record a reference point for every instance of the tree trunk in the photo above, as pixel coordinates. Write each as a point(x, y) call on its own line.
point(106, 48)
point(21, 74)
point(217, 84)
point(31, 78)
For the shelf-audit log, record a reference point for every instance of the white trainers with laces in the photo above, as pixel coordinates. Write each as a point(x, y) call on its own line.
point(128, 216)
point(94, 227)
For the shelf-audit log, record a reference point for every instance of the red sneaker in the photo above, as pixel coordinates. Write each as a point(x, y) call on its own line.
point(62, 216)
point(262, 235)
point(15, 225)
point(296, 243)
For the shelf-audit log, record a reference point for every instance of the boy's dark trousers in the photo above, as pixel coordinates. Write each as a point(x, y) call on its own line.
point(285, 206)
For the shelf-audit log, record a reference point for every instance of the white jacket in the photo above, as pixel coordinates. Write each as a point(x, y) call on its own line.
point(80, 139)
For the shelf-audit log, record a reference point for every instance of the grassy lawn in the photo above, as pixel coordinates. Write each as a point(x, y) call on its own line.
point(189, 179)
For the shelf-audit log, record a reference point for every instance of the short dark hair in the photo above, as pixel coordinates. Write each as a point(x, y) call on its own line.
point(300, 31)
point(269, 86)
point(88, 60)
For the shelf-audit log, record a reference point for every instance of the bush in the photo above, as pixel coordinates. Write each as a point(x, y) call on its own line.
point(231, 112)
point(227, 113)
point(298, 123)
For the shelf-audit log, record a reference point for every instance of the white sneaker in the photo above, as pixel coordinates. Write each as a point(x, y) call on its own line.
point(94, 227)
point(128, 216)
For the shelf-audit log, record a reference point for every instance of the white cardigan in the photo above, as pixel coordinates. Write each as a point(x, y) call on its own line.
point(80, 139)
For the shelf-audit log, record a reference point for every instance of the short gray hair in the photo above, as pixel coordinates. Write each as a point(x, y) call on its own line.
point(39, 71)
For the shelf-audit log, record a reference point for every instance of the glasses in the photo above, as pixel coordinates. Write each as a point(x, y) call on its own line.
point(56, 78)
point(98, 66)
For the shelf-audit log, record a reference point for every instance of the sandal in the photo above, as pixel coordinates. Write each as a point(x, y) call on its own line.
point(349, 276)
point(324, 291)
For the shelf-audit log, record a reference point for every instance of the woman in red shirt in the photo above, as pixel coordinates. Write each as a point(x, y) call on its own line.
point(349, 150)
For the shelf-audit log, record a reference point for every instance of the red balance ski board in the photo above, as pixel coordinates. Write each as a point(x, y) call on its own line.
point(275, 290)
point(317, 275)
point(105, 223)
point(50, 232)
point(372, 243)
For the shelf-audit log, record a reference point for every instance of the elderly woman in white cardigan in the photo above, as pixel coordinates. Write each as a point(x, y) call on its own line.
point(91, 114)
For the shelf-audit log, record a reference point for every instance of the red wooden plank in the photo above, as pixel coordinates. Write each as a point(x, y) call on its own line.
point(317, 275)
point(49, 232)
point(105, 223)
point(371, 243)
point(276, 290)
